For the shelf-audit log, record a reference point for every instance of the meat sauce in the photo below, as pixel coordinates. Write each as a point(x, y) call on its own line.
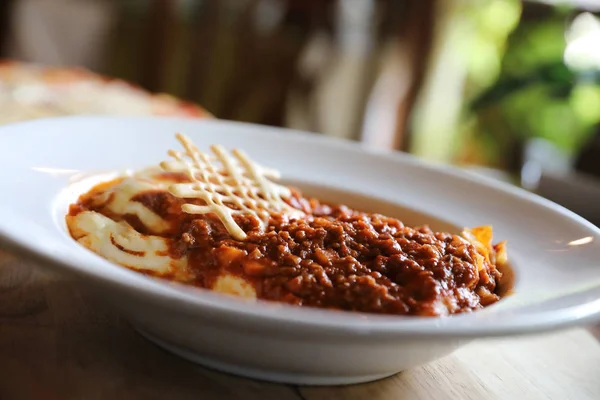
point(335, 258)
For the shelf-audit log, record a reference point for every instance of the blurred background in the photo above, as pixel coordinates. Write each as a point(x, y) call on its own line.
point(506, 88)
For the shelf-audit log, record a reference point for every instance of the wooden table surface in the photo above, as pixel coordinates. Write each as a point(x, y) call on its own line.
point(56, 343)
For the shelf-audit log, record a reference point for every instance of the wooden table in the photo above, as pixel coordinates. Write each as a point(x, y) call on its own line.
point(56, 343)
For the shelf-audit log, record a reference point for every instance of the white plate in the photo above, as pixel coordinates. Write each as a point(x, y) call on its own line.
point(556, 254)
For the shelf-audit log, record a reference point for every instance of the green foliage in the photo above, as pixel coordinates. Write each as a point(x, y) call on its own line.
point(536, 95)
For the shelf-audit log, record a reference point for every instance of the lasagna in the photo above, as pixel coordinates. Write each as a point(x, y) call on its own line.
point(220, 221)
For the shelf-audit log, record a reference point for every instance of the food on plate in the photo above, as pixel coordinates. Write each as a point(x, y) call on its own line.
point(220, 221)
point(30, 91)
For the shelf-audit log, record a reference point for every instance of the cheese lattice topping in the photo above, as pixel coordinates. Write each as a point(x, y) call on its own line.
point(228, 184)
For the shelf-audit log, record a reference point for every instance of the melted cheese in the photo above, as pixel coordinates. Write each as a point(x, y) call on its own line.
point(117, 200)
point(120, 243)
point(234, 285)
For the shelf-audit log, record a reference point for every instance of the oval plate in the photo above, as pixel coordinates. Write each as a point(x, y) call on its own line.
point(555, 253)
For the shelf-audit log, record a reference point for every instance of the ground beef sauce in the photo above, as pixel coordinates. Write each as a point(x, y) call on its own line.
point(334, 258)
